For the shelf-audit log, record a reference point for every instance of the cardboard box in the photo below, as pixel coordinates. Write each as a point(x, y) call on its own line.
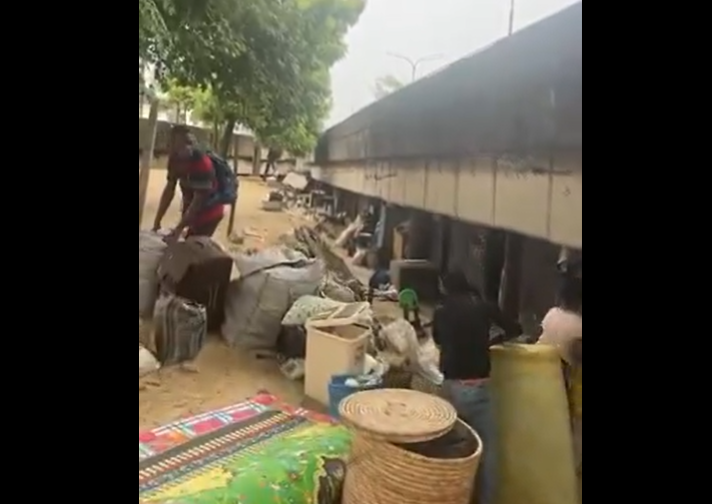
point(199, 270)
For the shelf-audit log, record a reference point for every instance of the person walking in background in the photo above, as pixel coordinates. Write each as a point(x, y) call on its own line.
point(462, 329)
point(273, 156)
point(193, 170)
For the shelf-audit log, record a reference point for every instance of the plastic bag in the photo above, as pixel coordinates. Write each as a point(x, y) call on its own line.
point(427, 364)
point(147, 363)
point(401, 337)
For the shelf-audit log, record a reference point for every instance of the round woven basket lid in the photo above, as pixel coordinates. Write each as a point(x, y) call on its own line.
point(399, 416)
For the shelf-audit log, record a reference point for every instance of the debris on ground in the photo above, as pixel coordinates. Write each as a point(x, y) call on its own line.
point(308, 241)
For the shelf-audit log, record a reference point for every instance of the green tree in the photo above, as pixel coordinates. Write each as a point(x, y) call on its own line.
point(387, 85)
point(182, 99)
point(265, 62)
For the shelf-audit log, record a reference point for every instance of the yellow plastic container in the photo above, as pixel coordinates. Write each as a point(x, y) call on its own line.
point(536, 450)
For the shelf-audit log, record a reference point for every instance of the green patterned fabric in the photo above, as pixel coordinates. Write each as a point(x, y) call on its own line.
point(272, 457)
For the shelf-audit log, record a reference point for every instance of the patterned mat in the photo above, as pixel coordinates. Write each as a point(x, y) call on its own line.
point(258, 452)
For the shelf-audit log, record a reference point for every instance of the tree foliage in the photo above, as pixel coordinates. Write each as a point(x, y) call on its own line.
point(182, 99)
point(387, 85)
point(261, 63)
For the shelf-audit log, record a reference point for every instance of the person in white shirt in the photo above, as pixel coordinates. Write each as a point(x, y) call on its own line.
point(563, 330)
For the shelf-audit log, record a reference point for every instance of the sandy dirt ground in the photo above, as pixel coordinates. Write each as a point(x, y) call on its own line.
point(221, 376)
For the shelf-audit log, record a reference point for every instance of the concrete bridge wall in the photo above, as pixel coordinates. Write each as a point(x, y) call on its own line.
point(494, 140)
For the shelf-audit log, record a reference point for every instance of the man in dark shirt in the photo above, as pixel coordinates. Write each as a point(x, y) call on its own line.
point(273, 156)
point(462, 329)
point(193, 170)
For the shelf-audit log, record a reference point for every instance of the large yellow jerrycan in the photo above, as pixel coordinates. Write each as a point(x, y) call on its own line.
point(536, 451)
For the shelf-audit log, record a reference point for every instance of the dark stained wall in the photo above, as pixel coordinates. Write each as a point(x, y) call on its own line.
point(521, 96)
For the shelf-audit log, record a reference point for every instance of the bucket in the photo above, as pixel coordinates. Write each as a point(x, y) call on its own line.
point(338, 391)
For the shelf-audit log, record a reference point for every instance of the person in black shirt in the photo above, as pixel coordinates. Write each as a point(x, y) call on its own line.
point(273, 156)
point(462, 328)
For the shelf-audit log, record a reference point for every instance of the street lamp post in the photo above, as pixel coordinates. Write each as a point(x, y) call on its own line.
point(415, 63)
point(512, 15)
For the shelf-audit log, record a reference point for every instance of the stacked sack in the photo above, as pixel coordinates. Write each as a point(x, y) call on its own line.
point(151, 249)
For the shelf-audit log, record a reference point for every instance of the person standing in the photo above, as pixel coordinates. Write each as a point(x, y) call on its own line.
point(563, 330)
point(273, 156)
point(193, 170)
point(462, 329)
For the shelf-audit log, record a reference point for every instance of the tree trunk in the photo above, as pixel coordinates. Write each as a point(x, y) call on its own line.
point(226, 140)
point(225, 145)
point(216, 136)
point(257, 159)
point(149, 144)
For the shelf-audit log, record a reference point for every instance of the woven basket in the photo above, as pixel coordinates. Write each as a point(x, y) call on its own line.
point(422, 384)
point(398, 379)
point(382, 473)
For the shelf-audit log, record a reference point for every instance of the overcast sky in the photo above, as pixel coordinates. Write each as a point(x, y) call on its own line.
point(417, 29)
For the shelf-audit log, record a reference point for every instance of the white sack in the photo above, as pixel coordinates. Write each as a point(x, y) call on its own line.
point(151, 249)
point(147, 363)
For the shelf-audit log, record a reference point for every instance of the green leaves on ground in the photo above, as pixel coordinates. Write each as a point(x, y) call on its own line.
point(265, 63)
